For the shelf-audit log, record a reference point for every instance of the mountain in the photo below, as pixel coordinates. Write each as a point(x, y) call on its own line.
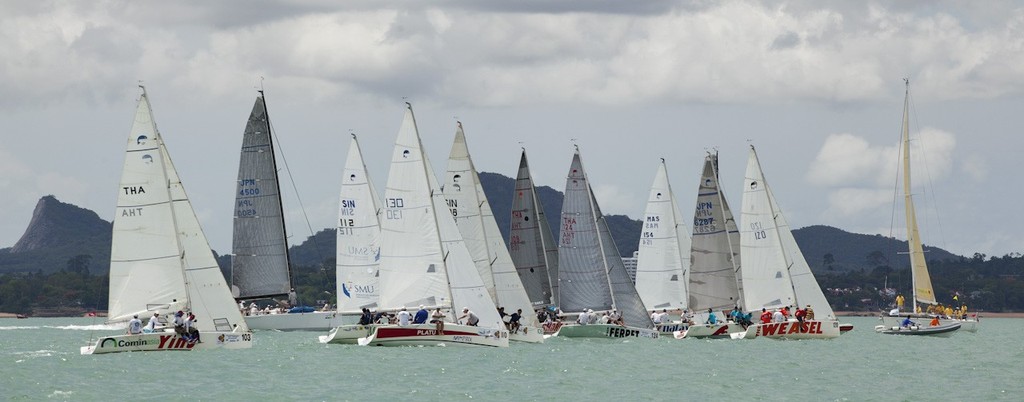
point(57, 233)
point(829, 248)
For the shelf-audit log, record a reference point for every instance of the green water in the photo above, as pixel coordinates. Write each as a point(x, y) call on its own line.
point(40, 360)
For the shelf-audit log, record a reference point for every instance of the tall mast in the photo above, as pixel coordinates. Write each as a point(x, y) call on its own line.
point(277, 180)
point(922, 284)
point(775, 223)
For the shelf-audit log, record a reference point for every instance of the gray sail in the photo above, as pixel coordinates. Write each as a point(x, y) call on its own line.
point(715, 246)
point(624, 294)
point(530, 243)
point(259, 266)
point(591, 274)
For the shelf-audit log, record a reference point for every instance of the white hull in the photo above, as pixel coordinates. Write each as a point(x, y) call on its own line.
point(670, 328)
point(315, 321)
point(347, 334)
point(792, 330)
point(427, 335)
point(969, 325)
point(605, 331)
point(168, 341)
point(941, 330)
point(709, 331)
point(527, 334)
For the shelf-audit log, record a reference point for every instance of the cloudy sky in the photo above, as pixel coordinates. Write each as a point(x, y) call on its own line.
point(815, 85)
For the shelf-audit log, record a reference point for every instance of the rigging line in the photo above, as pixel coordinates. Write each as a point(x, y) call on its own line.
point(316, 244)
point(928, 174)
point(895, 191)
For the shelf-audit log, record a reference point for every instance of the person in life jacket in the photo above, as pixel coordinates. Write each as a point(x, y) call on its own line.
point(766, 316)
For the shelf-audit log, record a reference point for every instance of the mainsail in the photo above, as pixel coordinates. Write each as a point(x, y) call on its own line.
point(358, 235)
point(923, 291)
point(423, 257)
point(259, 265)
point(775, 273)
point(473, 215)
point(530, 241)
point(160, 258)
point(591, 272)
point(663, 258)
point(715, 254)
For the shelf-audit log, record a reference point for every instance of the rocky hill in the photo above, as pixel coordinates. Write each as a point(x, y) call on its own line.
point(59, 232)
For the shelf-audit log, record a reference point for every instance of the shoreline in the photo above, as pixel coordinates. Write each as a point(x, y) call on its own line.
point(982, 314)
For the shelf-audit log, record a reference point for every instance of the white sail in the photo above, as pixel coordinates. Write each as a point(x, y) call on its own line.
point(160, 258)
point(775, 273)
point(411, 262)
point(714, 251)
point(530, 243)
point(464, 203)
point(358, 235)
point(474, 217)
point(423, 257)
point(145, 265)
point(259, 263)
point(663, 258)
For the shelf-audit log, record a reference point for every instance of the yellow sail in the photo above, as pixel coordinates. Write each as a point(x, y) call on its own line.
point(923, 291)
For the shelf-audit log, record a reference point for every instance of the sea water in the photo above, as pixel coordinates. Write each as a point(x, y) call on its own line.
point(40, 360)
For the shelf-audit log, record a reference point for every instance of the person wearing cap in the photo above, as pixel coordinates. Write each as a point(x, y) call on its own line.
point(421, 315)
point(135, 325)
point(403, 317)
point(179, 323)
point(153, 322)
point(471, 319)
point(584, 318)
point(190, 329)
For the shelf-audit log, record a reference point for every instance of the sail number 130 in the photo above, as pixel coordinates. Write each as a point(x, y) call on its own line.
point(394, 207)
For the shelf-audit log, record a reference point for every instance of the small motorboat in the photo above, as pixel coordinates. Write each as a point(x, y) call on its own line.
point(943, 330)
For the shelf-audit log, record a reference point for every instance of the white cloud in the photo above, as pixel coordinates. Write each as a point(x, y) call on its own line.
point(853, 201)
point(484, 54)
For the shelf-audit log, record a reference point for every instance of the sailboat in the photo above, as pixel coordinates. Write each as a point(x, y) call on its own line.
point(714, 283)
point(663, 254)
point(532, 246)
point(775, 273)
point(424, 260)
point(160, 261)
point(473, 215)
point(591, 274)
point(260, 267)
point(923, 292)
point(358, 247)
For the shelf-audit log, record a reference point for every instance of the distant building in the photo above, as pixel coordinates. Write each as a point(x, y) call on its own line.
point(630, 263)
